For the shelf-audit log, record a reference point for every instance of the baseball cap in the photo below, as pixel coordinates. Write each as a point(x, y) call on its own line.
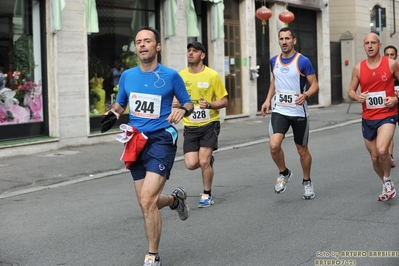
point(197, 45)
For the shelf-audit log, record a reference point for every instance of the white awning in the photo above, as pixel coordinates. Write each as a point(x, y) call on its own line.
point(91, 16)
point(56, 7)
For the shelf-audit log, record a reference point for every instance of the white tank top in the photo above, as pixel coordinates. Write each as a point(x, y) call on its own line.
point(287, 84)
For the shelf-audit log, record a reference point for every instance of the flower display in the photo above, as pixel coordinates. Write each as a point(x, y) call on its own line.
point(23, 102)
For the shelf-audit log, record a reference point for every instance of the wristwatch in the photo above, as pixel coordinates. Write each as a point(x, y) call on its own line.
point(306, 96)
point(209, 106)
point(185, 109)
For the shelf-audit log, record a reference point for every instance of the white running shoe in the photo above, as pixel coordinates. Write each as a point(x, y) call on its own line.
point(308, 192)
point(388, 191)
point(150, 260)
point(281, 183)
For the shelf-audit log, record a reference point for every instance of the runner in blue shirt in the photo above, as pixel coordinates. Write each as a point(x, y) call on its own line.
point(148, 91)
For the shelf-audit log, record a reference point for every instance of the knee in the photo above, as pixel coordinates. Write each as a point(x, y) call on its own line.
point(191, 166)
point(147, 204)
point(204, 163)
point(303, 153)
point(274, 147)
point(382, 151)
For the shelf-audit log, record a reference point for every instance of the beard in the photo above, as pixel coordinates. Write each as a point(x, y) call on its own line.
point(148, 59)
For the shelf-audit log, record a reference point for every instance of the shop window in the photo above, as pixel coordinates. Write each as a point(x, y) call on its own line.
point(112, 49)
point(374, 26)
point(21, 91)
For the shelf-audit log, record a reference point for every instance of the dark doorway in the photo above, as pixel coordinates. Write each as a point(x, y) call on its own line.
point(336, 76)
point(262, 59)
point(305, 29)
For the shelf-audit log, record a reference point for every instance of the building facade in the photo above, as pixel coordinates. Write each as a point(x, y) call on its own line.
point(54, 95)
point(350, 21)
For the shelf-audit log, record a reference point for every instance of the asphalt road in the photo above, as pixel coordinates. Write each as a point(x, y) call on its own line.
point(98, 222)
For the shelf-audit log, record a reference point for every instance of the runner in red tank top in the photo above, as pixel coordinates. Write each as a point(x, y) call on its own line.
point(375, 75)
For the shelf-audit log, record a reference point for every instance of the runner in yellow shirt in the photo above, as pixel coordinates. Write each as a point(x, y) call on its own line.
point(202, 127)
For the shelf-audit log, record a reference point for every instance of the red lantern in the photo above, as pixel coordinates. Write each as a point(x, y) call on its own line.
point(286, 16)
point(263, 13)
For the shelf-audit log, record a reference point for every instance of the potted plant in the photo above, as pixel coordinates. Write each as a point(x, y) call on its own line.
point(22, 54)
point(98, 67)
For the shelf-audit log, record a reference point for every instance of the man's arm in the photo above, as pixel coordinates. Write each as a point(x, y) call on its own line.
point(218, 104)
point(314, 86)
point(354, 84)
point(266, 105)
point(313, 89)
point(395, 68)
point(391, 101)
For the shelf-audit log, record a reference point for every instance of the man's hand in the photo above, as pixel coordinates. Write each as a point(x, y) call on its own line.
point(361, 97)
point(176, 116)
point(300, 98)
point(112, 111)
point(391, 101)
point(265, 108)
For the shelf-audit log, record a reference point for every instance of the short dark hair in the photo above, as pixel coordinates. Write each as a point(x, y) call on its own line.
point(391, 47)
point(285, 29)
point(155, 31)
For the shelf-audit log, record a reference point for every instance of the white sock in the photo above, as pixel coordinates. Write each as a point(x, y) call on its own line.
point(387, 179)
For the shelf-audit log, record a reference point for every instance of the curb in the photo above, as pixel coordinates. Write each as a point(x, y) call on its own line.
point(179, 158)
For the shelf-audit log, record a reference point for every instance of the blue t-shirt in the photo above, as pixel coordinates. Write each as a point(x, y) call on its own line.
point(150, 95)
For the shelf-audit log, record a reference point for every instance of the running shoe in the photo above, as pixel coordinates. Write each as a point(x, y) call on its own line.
point(392, 162)
point(182, 208)
point(308, 192)
point(150, 260)
point(388, 191)
point(281, 183)
point(205, 201)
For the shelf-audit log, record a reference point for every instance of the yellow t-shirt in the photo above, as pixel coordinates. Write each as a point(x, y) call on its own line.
point(206, 85)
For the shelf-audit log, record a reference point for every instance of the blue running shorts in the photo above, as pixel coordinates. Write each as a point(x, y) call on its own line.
point(158, 155)
point(370, 127)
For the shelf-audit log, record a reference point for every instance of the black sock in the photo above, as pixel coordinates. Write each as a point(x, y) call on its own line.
point(303, 181)
point(207, 192)
point(285, 172)
point(175, 203)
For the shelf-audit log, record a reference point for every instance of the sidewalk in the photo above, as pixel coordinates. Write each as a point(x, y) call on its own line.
point(25, 174)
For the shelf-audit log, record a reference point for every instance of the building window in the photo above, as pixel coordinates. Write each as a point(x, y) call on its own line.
point(21, 91)
point(374, 27)
point(112, 49)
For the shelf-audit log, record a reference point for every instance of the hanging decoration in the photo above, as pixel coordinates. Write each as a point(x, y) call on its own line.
point(287, 17)
point(263, 13)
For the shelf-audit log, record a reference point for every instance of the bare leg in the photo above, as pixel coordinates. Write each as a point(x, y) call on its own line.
point(148, 191)
point(378, 149)
point(305, 159)
point(276, 151)
point(205, 154)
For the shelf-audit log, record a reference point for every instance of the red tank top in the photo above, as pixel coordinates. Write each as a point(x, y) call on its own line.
point(379, 83)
